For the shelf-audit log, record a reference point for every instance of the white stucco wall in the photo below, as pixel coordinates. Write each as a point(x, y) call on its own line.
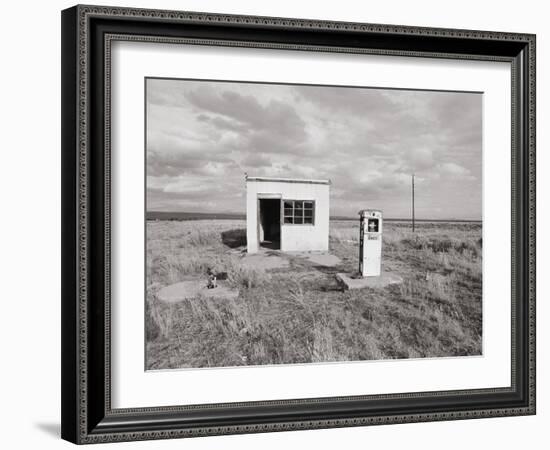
point(293, 237)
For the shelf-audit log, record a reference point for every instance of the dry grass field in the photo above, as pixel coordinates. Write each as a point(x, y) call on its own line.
point(298, 314)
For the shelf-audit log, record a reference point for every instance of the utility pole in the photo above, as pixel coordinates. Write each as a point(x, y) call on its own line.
point(413, 201)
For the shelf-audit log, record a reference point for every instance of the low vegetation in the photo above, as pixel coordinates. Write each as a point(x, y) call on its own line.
point(299, 314)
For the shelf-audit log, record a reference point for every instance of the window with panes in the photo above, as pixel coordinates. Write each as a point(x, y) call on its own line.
point(299, 212)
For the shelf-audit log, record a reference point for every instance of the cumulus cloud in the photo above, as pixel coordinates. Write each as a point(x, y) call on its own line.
point(203, 136)
point(450, 168)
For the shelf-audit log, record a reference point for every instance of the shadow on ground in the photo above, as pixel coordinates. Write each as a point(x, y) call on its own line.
point(234, 238)
point(53, 429)
point(271, 245)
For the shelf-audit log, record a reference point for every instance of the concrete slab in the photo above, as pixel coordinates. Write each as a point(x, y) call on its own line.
point(195, 288)
point(265, 261)
point(355, 281)
point(323, 259)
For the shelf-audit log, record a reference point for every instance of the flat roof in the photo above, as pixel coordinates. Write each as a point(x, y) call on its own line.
point(370, 210)
point(287, 180)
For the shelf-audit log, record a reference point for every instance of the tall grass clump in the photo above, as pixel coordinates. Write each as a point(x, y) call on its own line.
point(248, 277)
point(201, 238)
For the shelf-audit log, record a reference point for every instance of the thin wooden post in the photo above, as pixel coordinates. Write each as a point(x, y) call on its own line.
point(413, 202)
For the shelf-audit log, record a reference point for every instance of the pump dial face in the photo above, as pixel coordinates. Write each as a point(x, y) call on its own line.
point(372, 225)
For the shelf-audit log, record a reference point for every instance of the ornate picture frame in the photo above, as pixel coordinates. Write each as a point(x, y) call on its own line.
point(88, 33)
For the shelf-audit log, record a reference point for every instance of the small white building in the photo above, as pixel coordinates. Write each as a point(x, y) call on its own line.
point(287, 214)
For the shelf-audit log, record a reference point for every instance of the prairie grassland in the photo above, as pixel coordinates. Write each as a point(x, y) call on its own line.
point(299, 314)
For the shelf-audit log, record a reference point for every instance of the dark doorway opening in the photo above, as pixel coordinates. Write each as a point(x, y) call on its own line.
point(270, 223)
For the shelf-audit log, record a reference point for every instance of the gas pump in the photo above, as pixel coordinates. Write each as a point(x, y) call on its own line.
point(370, 242)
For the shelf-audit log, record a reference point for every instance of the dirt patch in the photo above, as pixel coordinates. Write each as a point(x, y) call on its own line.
point(195, 289)
point(264, 261)
point(323, 259)
point(277, 260)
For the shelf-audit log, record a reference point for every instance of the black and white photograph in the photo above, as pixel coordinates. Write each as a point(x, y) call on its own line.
point(297, 224)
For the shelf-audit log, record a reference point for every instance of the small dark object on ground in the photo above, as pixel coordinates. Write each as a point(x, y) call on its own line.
point(212, 282)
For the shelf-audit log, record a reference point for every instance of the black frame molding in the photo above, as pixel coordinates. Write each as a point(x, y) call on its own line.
point(87, 33)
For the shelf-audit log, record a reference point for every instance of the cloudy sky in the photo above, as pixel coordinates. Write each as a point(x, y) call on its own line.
point(203, 136)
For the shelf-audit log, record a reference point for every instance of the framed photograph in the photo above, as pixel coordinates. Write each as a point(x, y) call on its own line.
point(267, 222)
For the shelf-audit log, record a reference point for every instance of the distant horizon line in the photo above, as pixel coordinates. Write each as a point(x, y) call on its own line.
point(236, 215)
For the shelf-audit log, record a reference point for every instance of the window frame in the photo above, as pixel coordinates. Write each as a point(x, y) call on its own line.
point(284, 216)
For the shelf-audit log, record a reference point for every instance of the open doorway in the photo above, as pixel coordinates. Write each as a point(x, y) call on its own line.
point(269, 223)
